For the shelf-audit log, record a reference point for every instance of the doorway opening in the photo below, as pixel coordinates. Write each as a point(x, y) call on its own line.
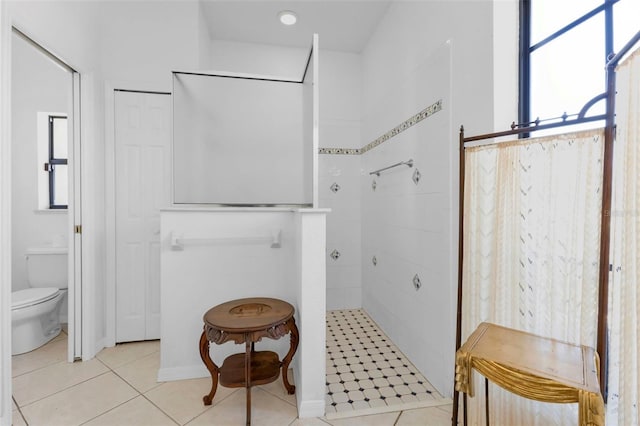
point(45, 190)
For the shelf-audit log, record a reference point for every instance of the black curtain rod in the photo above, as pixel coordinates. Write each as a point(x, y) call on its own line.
point(529, 129)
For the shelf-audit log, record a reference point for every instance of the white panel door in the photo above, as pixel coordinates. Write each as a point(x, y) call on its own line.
point(143, 177)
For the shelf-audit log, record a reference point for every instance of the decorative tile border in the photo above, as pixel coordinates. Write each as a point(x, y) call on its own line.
point(410, 122)
point(343, 151)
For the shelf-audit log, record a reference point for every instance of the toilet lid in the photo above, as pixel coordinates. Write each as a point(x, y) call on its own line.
point(31, 296)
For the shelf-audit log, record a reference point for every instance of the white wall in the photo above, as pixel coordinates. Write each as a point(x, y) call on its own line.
point(138, 43)
point(505, 63)
point(253, 58)
point(218, 158)
point(340, 121)
point(204, 40)
point(143, 41)
point(340, 103)
point(202, 276)
point(205, 274)
point(38, 85)
point(405, 69)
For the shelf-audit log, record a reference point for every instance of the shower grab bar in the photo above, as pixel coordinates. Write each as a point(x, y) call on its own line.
point(402, 163)
point(178, 242)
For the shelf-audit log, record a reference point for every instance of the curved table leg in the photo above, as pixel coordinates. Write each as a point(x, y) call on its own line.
point(211, 366)
point(293, 330)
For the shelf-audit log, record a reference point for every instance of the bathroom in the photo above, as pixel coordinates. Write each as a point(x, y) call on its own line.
point(364, 95)
point(41, 101)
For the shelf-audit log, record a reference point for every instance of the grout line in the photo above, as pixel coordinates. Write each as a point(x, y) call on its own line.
point(111, 409)
point(161, 410)
point(19, 410)
point(65, 389)
point(131, 384)
point(37, 369)
point(112, 370)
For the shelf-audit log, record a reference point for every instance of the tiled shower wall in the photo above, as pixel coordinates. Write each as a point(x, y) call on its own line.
point(406, 231)
point(339, 176)
point(421, 54)
point(388, 236)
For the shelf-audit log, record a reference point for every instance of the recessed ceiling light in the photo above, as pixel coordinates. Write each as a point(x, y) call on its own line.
point(287, 17)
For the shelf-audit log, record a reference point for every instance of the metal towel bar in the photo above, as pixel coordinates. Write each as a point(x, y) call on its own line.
point(402, 163)
point(178, 241)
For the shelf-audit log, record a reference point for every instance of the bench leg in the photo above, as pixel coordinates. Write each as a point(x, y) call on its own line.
point(293, 331)
point(211, 366)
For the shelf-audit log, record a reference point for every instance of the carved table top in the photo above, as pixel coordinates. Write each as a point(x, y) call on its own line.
point(258, 316)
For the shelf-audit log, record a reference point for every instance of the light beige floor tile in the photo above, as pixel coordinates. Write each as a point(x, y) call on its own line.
point(277, 388)
point(51, 353)
point(16, 419)
point(310, 421)
point(182, 399)
point(123, 353)
point(425, 416)
point(386, 419)
point(142, 373)
point(80, 403)
point(266, 409)
point(13, 404)
point(61, 336)
point(138, 412)
point(46, 381)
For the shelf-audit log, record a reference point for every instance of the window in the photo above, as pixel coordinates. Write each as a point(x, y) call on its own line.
point(56, 166)
point(564, 47)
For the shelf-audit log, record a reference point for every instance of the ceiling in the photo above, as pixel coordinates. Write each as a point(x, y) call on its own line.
point(342, 25)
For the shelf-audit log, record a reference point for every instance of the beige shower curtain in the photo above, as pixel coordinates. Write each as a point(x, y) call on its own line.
point(624, 308)
point(531, 252)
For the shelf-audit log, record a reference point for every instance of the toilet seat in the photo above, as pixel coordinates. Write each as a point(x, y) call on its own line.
point(32, 296)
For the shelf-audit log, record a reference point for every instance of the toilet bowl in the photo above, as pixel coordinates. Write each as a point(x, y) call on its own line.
point(35, 311)
point(34, 318)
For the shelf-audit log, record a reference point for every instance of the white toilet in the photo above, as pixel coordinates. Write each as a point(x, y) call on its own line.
point(35, 311)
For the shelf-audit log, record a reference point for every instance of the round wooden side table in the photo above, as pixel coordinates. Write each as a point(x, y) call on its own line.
point(248, 321)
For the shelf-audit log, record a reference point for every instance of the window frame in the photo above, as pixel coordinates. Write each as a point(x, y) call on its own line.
point(526, 49)
point(52, 162)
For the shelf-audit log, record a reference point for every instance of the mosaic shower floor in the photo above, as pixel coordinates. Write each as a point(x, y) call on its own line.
point(367, 373)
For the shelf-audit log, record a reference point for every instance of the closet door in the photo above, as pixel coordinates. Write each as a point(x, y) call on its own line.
point(143, 176)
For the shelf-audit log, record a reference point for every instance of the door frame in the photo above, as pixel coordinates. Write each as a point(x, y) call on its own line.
point(110, 193)
point(76, 299)
point(74, 208)
point(5, 218)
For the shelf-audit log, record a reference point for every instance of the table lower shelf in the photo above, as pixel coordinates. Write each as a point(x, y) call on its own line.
point(265, 368)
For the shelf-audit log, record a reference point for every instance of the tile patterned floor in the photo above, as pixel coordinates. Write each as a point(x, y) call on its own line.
point(119, 388)
point(367, 373)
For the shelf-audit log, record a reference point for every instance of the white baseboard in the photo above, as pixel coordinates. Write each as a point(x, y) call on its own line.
point(311, 408)
point(100, 345)
point(182, 373)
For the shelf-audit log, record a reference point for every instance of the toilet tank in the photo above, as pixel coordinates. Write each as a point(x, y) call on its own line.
point(47, 267)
